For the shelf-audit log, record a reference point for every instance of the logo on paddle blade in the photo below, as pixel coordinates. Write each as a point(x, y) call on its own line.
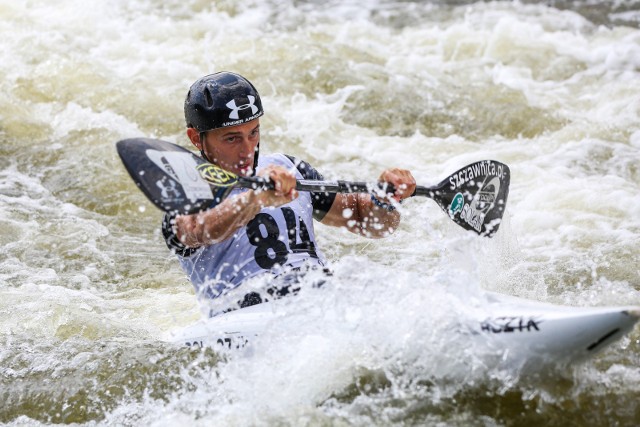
point(216, 176)
point(483, 201)
point(169, 191)
point(456, 204)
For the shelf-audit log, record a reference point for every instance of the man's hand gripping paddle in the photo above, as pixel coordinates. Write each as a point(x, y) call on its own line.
point(176, 180)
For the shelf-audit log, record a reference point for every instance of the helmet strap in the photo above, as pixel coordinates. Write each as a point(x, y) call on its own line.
point(204, 156)
point(255, 159)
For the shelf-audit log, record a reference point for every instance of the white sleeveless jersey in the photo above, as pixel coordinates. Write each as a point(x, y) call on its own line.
point(277, 238)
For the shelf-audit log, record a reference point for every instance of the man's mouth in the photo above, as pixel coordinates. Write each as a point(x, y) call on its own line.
point(245, 166)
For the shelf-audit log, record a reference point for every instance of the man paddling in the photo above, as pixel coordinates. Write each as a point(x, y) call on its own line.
point(256, 232)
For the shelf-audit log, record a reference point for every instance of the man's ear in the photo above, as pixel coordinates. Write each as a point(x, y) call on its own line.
point(194, 137)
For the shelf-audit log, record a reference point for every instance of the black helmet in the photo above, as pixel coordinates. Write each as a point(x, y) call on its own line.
point(221, 99)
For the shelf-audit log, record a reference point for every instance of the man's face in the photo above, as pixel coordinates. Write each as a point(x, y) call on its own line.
point(233, 148)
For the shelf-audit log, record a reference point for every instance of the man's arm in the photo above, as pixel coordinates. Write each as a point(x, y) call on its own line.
point(219, 223)
point(359, 214)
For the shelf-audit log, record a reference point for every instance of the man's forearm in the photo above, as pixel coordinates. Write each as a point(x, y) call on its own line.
point(219, 223)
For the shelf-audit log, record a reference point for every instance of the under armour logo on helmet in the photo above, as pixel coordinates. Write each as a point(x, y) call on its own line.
point(235, 109)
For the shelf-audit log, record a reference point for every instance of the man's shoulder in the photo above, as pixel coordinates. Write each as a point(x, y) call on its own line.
point(306, 170)
point(277, 159)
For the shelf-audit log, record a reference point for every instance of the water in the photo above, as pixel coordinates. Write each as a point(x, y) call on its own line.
point(88, 291)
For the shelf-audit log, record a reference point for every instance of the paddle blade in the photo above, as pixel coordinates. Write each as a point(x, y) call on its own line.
point(475, 197)
point(166, 173)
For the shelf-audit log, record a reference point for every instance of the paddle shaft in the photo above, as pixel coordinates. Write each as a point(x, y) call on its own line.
point(176, 180)
point(333, 186)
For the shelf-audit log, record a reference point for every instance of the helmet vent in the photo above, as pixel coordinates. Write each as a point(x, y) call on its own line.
point(208, 98)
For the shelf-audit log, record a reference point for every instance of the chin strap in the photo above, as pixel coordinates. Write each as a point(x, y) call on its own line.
point(255, 160)
point(204, 156)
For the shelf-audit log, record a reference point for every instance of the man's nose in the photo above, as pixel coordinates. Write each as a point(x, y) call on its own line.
point(246, 148)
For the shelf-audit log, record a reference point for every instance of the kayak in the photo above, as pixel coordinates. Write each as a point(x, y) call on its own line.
point(176, 180)
point(518, 329)
point(549, 332)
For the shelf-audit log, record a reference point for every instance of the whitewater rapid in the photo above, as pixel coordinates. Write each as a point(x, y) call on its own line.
point(89, 292)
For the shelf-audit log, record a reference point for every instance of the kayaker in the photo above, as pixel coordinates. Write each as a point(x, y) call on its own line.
point(253, 232)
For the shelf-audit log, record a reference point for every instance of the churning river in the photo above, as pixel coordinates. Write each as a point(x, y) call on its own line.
point(89, 292)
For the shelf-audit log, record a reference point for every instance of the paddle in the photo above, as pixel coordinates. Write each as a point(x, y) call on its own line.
point(176, 180)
